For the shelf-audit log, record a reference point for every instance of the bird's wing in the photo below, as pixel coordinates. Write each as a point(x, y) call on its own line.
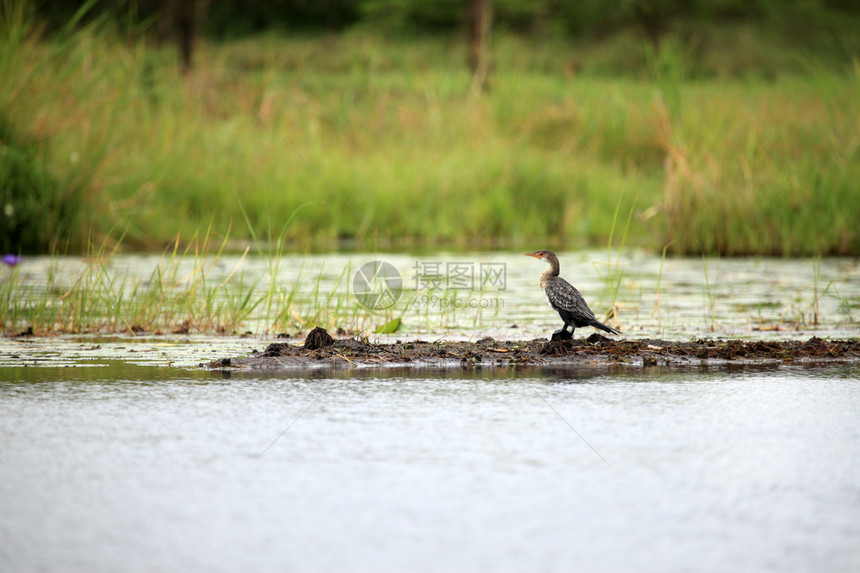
point(563, 295)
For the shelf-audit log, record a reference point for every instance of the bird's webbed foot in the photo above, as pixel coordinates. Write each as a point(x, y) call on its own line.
point(561, 334)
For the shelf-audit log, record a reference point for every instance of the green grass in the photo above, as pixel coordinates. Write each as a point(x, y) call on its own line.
point(195, 287)
point(611, 273)
point(182, 294)
point(381, 142)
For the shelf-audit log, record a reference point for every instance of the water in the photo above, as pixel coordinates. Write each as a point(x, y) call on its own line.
point(118, 454)
point(125, 467)
point(673, 298)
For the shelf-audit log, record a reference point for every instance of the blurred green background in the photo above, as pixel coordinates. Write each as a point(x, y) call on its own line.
point(720, 127)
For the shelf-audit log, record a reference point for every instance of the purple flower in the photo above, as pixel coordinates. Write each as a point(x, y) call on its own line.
point(11, 260)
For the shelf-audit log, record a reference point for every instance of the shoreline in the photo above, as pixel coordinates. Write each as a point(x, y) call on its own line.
point(346, 353)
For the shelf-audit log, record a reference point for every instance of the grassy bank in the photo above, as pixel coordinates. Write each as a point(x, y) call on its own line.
point(382, 142)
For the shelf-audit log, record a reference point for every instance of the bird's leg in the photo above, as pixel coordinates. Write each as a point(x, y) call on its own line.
point(562, 333)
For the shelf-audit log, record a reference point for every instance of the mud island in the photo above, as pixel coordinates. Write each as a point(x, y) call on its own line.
point(321, 351)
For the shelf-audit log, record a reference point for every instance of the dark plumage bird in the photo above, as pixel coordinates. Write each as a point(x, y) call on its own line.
point(565, 299)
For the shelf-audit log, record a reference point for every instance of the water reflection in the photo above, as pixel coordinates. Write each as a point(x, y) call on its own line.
point(122, 372)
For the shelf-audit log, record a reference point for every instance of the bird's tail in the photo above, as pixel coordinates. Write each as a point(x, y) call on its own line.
point(605, 328)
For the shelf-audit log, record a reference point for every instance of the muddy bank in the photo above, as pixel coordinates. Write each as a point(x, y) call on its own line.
point(322, 352)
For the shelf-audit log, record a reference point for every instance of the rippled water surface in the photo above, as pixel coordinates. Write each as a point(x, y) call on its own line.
point(118, 454)
point(129, 467)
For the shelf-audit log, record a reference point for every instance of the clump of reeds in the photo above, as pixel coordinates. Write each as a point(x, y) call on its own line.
point(181, 294)
point(726, 164)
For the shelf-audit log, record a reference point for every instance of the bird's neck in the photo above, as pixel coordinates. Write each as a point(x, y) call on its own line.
point(548, 274)
point(552, 271)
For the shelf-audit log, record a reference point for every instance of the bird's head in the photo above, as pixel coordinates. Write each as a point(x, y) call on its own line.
point(543, 255)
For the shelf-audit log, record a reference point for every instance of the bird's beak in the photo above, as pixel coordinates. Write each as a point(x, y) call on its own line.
point(535, 255)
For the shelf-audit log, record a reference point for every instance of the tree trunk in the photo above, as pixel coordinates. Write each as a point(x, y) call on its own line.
point(185, 33)
point(480, 22)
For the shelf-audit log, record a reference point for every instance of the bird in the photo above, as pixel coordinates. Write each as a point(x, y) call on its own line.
point(565, 299)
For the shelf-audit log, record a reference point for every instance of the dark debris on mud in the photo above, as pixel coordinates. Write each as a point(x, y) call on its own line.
point(596, 349)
